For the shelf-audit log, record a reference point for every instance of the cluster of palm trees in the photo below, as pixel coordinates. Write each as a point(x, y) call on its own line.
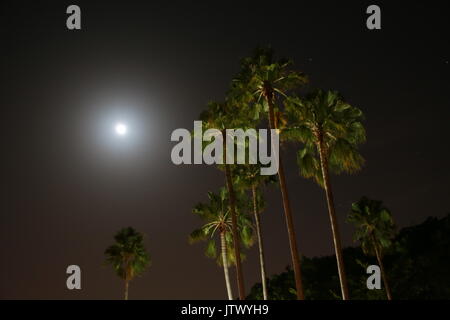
point(328, 130)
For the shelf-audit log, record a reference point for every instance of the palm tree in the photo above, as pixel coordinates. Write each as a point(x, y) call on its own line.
point(330, 129)
point(374, 230)
point(264, 77)
point(127, 255)
point(248, 177)
point(222, 116)
point(216, 215)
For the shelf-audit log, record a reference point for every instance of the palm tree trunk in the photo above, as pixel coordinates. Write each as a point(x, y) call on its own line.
point(333, 219)
point(268, 94)
point(223, 246)
point(234, 230)
point(383, 274)
point(260, 243)
point(126, 290)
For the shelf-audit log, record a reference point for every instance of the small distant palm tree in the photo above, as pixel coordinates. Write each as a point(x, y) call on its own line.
point(330, 130)
point(127, 255)
point(374, 230)
point(217, 217)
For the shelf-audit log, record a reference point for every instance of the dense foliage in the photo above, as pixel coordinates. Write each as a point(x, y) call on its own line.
point(418, 266)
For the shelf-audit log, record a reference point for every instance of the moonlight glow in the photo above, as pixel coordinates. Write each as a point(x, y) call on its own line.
point(121, 129)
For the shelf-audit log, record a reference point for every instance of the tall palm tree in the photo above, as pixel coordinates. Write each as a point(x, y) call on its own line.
point(262, 82)
point(216, 215)
point(127, 255)
point(248, 177)
point(374, 230)
point(330, 130)
point(223, 116)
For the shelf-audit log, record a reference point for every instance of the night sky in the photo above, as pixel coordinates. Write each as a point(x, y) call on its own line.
point(68, 183)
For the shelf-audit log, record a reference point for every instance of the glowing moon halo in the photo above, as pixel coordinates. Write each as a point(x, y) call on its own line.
point(121, 129)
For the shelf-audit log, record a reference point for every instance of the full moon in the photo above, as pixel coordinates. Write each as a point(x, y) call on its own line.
point(121, 129)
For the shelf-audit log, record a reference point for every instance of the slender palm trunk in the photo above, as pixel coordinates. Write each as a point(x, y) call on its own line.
point(234, 229)
point(333, 219)
point(126, 289)
point(268, 94)
point(383, 274)
point(260, 243)
point(223, 247)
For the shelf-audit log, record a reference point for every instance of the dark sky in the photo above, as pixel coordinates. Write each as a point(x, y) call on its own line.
point(68, 183)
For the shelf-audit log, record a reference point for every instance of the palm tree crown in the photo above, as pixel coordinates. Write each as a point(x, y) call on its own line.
point(374, 225)
point(323, 120)
point(217, 218)
point(262, 75)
